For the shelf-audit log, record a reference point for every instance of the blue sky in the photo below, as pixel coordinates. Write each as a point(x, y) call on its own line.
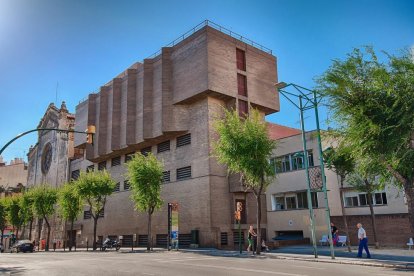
point(82, 44)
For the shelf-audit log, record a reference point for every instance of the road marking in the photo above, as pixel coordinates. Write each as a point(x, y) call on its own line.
point(183, 260)
point(245, 269)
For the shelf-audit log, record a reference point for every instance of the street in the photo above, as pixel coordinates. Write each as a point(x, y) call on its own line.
point(171, 263)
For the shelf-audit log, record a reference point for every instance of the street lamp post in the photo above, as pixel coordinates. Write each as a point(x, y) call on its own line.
point(90, 132)
point(308, 100)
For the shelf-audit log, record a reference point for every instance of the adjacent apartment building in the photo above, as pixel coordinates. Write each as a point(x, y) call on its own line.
point(287, 204)
point(13, 176)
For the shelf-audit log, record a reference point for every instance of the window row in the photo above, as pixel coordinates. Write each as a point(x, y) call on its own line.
point(293, 201)
point(116, 161)
point(181, 174)
point(362, 199)
point(291, 162)
point(87, 214)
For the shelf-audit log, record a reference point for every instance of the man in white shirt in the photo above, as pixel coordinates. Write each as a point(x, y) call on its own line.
point(363, 241)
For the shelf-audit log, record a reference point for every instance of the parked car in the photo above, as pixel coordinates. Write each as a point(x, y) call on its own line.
point(22, 246)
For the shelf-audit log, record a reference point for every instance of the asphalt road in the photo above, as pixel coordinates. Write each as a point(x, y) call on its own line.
point(172, 263)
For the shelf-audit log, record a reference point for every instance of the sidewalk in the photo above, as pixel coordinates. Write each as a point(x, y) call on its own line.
point(392, 258)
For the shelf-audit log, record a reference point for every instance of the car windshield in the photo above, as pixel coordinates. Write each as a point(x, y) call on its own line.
point(23, 241)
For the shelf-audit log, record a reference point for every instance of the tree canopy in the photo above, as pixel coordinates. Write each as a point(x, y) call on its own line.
point(372, 102)
point(244, 146)
point(145, 177)
point(70, 204)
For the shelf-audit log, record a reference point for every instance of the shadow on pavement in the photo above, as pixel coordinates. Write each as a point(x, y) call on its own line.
point(11, 270)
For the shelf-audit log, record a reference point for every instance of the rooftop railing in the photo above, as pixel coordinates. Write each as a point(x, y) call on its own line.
point(198, 27)
point(219, 28)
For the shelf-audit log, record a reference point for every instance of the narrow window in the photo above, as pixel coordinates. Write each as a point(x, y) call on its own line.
point(164, 146)
point(75, 174)
point(280, 203)
point(223, 238)
point(166, 177)
point(241, 59)
point(127, 186)
point(243, 108)
point(363, 200)
point(242, 85)
point(117, 187)
point(87, 214)
point(90, 168)
point(291, 202)
point(184, 140)
point(102, 165)
point(184, 173)
point(128, 157)
point(145, 151)
point(116, 161)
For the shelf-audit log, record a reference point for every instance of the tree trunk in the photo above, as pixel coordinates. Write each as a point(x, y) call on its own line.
point(30, 229)
point(23, 231)
point(2, 233)
point(344, 217)
point(259, 218)
point(71, 235)
point(409, 194)
point(374, 226)
point(17, 233)
point(48, 234)
point(39, 232)
point(149, 244)
point(95, 226)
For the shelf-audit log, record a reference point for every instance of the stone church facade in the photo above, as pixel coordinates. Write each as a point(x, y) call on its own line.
point(49, 163)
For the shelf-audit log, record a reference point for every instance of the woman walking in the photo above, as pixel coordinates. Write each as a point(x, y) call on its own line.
point(250, 239)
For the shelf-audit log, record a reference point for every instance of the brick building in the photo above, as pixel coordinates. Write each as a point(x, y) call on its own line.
point(165, 105)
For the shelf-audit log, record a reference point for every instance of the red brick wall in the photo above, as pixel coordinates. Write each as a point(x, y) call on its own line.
point(392, 229)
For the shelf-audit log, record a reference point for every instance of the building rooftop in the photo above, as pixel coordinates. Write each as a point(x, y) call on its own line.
point(277, 132)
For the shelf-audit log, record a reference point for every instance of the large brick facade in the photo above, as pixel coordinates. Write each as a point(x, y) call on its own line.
point(179, 91)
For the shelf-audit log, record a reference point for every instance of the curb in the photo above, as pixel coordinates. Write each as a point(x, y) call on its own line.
point(400, 266)
point(407, 266)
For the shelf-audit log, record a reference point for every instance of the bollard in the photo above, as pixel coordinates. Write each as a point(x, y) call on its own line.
point(87, 245)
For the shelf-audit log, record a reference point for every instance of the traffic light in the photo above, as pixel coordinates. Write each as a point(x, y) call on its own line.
point(90, 132)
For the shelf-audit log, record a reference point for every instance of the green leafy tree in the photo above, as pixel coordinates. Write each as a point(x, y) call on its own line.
point(70, 206)
point(44, 200)
point(3, 217)
point(13, 212)
point(369, 178)
point(26, 210)
point(245, 147)
point(145, 176)
point(93, 188)
point(372, 102)
point(340, 161)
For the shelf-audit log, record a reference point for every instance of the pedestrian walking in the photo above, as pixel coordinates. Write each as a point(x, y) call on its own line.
point(250, 240)
point(363, 241)
point(335, 232)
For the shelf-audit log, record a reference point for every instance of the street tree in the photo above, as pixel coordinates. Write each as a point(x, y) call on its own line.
point(93, 189)
point(3, 217)
point(70, 206)
point(244, 146)
point(372, 103)
point(369, 178)
point(145, 177)
point(44, 200)
point(340, 160)
point(26, 210)
point(13, 213)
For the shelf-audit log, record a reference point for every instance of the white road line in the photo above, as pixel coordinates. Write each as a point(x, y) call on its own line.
point(245, 269)
point(184, 260)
